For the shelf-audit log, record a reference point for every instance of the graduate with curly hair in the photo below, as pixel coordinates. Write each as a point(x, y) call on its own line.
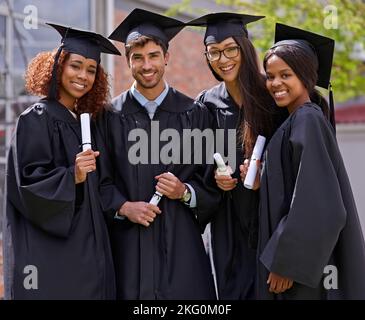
point(55, 238)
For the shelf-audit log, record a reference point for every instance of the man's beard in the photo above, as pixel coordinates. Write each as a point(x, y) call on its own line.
point(148, 84)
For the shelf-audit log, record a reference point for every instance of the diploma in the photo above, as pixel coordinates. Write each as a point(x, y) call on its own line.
point(222, 169)
point(85, 131)
point(256, 155)
point(157, 196)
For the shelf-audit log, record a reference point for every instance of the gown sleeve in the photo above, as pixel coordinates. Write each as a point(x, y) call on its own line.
point(208, 196)
point(303, 241)
point(47, 192)
point(111, 198)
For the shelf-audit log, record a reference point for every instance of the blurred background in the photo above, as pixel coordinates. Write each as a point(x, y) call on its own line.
point(23, 34)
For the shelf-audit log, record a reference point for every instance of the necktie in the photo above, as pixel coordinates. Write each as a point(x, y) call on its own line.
point(151, 107)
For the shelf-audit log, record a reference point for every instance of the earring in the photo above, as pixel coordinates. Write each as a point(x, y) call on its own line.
point(75, 105)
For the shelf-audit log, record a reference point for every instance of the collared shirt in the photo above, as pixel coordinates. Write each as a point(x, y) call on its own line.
point(142, 100)
point(73, 114)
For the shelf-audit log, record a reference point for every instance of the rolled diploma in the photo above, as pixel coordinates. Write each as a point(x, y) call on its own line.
point(222, 169)
point(157, 196)
point(85, 131)
point(256, 155)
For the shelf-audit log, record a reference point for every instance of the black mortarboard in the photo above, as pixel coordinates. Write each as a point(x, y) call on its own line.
point(85, 43)
point(146, 23)
point(322, 46)
point(223, 25)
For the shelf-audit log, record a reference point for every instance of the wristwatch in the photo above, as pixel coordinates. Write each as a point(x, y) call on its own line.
point(187, 195)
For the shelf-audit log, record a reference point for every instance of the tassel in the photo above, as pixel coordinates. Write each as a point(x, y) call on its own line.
point(332, 108)
point(52, 92)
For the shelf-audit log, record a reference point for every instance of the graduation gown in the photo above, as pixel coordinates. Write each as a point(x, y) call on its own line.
point(233, 228)
point(51, 223)
point(166, 260)
point(308, 218)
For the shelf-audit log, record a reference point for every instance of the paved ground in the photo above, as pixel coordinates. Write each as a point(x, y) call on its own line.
point(1, 271)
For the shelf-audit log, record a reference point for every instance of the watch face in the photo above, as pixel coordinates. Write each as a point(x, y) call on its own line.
point(187, 196)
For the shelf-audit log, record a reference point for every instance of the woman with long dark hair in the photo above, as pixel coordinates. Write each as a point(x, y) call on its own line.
point(240, 102)
point(310, 240)
point(55, 238)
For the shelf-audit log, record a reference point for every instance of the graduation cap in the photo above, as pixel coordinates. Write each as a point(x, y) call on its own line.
point(322, 46)
point(223, 25)
point(85, 43)
point(146, 23)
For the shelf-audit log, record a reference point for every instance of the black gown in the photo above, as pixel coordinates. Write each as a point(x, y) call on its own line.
point(308, 218)
point(166, 260)
point(51, 223)
point(233, 228)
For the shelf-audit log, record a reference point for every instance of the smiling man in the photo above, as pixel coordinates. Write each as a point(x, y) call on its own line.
point(147, 60)
point(158, 250)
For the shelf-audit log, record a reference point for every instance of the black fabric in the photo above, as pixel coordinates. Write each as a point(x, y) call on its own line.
point(222, 25)
point(51, 223)
point(85, 43)
point(146, 23)
point(308, 217)
point(234, 226)
point(166, 260)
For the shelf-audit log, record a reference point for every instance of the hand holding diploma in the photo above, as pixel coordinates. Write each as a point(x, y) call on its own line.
point(142, 212)
point(249, 171)
point(85, 131)
point(170, 186)
point(244, 169)
point(157, 196)
point(223, 174)
point(86, 160)
point(222, 169)
point(139, 212)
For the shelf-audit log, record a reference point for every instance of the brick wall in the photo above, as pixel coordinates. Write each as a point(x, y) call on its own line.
point(186, 71)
